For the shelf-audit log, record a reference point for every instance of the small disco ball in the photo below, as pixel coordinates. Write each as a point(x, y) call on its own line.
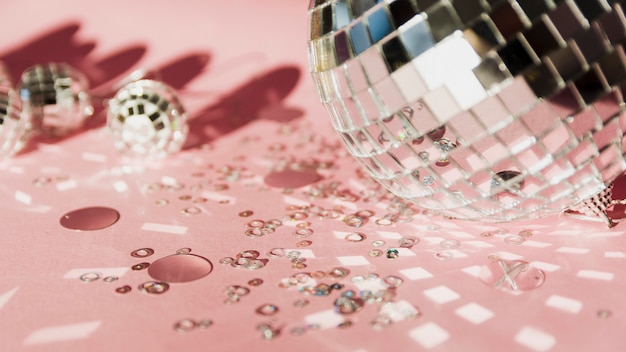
point(55, 97)
point(147, 120)
point(14, 128)
point(491, 110)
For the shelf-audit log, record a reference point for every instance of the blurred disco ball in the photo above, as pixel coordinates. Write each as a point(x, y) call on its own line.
point(489, 110)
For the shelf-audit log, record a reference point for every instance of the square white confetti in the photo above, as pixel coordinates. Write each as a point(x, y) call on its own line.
point(565, 304)
point(535, 339)
point(441, 294)
point(389, 235)
point(341, 234)
point(472, 270)
point(325, 319)
point(353, 260)
point(614, 255)
point(596, 275)
point(399, 310)
point(572, 250)
point(65, 185)
point(545, 266)
point(178, 230)
point(474, 313)
point(417, 273)
point(23, 197)
point(429, 335)
point(120, 186)
point(536, 244)
point(62, 333)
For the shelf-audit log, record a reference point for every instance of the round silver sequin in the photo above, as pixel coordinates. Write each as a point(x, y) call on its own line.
point(142, 252)
point(267, 309)
point(154, 287)
point(89, 277)
point(355, 237)
point(185, 325)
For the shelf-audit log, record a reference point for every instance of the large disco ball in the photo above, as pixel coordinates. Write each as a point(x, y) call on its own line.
point(489, 110)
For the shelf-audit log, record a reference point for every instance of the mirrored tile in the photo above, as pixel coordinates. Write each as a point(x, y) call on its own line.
point(516, 56)
point(443, 21)
point(592, 9)
point(543, 37)
point(614, 25)
point(342, 47)
point(394, 53)
point(359, 7)
point(535, 8)
point(483, 35)
point(417, 37)
point(568, 61)
point(468, 10)
point(342, 14)
point(359, 38)
point(591, 85)
point(490, 73)
point(591, 43)
point(508, 20)
point(379, 24)
point(567, 19)
point(543, 80)
point(402, 11)
point(613, 66)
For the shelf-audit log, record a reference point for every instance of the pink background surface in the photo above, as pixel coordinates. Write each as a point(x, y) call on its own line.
point(241, 70)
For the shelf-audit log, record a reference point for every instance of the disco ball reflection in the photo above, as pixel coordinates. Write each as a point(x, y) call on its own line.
point(491, 110)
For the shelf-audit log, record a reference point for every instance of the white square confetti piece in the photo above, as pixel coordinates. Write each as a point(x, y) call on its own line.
point(370, 285)
point(16, 169)
point(178, 230)
point(429, 335)
point(474, 313)
point(572, 250)
point(545, 266)
point(120, 186)
point(341, 234)
point(614, 255)
point(5, 297)
point(295, 201)
point(325, 319)
point(441, 294)
point(596, 275)
point(405, 252)
point(219, 197)
point(353, 260)
point(65, 185)
point(535, 339)
point(473, 270)
point(417, 273)
point(389, 235)
point(23, 197)
point(536, 244)
point(399, 310)
point(62, 333)
point(565, 304)
point(479, 244)
point(98, 158)
point(169, 181)
point(508, 256)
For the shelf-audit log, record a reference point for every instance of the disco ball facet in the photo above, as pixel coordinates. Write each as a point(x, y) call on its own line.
point(491, 110)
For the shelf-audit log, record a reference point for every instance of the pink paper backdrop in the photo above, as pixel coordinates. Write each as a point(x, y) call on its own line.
point(241, 69)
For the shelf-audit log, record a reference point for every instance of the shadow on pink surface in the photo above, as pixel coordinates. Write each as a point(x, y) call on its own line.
point(260, 98)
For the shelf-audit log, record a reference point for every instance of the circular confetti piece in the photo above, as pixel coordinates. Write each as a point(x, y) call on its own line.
point(90, 219)
point(292, 178)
